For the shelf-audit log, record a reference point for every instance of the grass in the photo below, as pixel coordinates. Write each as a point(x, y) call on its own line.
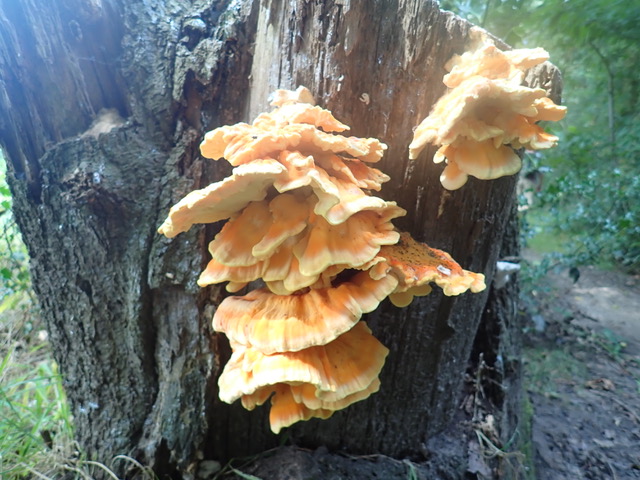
point(526, 438)
point(36, 427)
point(34, 415)
point(546, 369)
point(36, 424)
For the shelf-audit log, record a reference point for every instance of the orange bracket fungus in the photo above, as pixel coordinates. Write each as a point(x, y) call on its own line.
point(486, 114)
point(302, 220)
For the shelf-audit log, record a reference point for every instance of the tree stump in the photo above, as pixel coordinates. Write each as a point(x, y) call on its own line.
point(103, 109)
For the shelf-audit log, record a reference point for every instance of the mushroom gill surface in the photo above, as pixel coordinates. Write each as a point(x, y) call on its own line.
point(302, 222)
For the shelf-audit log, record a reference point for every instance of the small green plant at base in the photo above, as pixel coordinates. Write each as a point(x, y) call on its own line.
point(512, 463)
point(36, 431)
point(412, 474)
point(34, 414)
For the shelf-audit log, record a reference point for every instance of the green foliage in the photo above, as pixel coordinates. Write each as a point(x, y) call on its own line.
point(600, 211)
point(503, 18)
point(14, 262)
point(33, 411)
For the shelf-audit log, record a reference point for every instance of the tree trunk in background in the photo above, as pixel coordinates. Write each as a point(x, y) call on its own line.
point(128, 324)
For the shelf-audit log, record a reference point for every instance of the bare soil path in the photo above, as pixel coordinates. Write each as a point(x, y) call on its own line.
point(584, 378)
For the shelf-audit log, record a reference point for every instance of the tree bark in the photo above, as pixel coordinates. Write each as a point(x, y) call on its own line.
point(128, 325)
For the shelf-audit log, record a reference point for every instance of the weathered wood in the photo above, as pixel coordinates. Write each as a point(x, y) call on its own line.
point(378, 66)
point(128, 324)
point(132, 340)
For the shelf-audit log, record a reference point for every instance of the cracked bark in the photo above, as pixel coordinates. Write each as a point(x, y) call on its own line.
point(128, 325)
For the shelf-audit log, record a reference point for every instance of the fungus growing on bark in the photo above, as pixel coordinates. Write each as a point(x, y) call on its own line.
point(416, 264)
point(273, 323)
point(287, 245)
point(303, 221)
point(222, 199)
point(307, 383)
point(486, 113)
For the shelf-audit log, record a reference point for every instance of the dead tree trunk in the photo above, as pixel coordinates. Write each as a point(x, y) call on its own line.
point(129, 327)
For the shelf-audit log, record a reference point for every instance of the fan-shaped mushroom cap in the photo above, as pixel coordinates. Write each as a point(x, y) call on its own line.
point(295, 125)
point(352, 170)
point(293, 113)
point(481, 159)
point(309, 402)
point(488, 61)
point(282, 264)
point(259, 230)
point(222, 199)
point(485, 108)
point(294, 403)
point(317, 399)
point(234, 244)
point(338, 199)
point(347, 365)
point(242, 143)
point(452, 177)
point(216, 272)
point(285, 411)
point(415, 264)
point(351, 243)
point(402, 299)
point(299, 95)
point(547, 110)
point(525, 58)
point(280, 273)
point(351, 200)
point(273, 323)
point(302, 172)
point(262, 242)
point(480, 109)
point(231, 138)
point(289, 217)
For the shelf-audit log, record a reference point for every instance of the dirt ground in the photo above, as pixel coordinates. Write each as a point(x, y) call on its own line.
point(583, 374)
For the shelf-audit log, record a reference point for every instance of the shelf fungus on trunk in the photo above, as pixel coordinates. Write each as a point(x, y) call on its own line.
point(416, 264)
point(486, 114)
point(302, 221)
point(311, 382)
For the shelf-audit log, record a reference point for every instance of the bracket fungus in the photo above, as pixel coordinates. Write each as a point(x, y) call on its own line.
point(302, 220)
point(486, 114)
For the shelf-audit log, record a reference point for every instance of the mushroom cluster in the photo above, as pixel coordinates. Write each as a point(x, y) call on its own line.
point(486, 114)
point(316, 250)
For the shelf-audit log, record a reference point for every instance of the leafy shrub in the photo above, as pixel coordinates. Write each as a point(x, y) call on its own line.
point(15, 281)
point(593, 200)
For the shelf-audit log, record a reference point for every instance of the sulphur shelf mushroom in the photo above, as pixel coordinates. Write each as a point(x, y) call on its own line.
point(273, 323)
point(312, 382)
point(302, 220)
point(486, 114)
